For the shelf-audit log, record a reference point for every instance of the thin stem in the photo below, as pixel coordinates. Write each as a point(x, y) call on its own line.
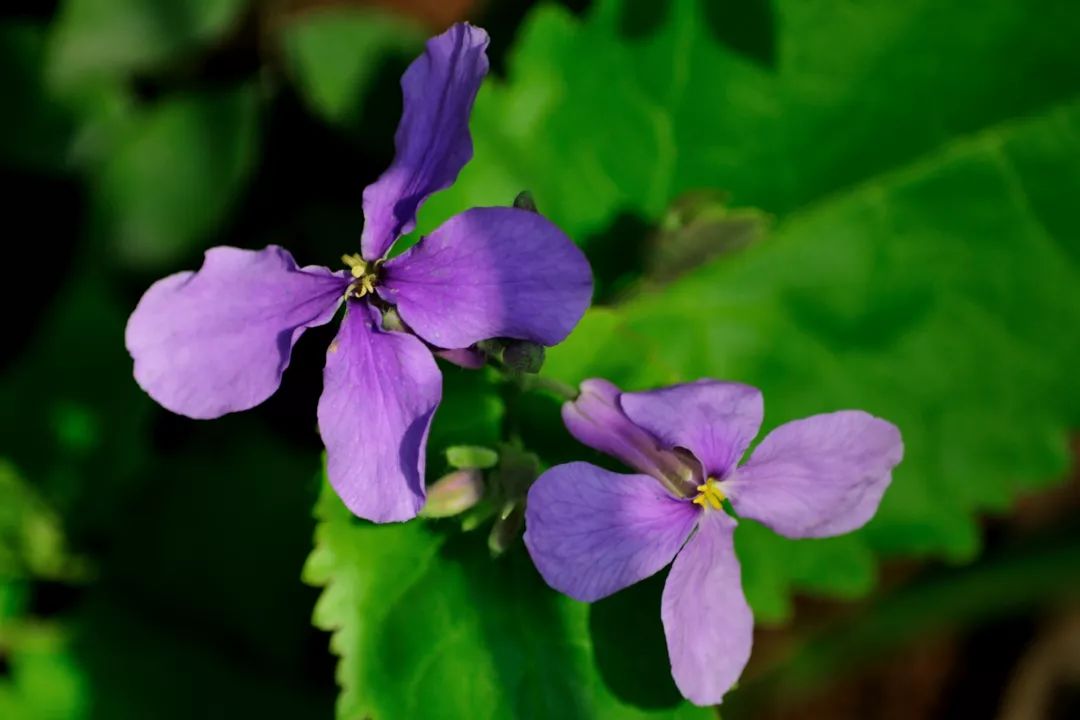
point(536, 383)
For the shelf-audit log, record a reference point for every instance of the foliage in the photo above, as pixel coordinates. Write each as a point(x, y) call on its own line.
point(847, 204)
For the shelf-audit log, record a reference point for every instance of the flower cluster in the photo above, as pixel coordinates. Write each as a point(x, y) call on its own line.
point(218, 340)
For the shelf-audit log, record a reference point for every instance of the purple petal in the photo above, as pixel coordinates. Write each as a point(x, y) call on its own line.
point(821, 476)
point(463, 357)
point(709, 626)
point(714, 420)
point(490, 272)
point(596, 419)
point(380, 391)
point(432, 140)
point(216, 341)
point(592, 532)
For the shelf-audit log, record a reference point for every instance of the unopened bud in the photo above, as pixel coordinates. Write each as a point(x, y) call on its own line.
point(524, 201)
point(469, 457)
point(524, 356)
point(453, 494)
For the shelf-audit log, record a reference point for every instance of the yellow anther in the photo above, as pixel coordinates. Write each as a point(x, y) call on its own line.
point(354, 261)
point(711, 494)
point(363, 273)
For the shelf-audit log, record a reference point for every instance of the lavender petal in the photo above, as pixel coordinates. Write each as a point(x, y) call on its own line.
point(490, 272)
point(596, 419)
point(709, 626)
point(380, 392)
point(432, 140)
point(714, 420)
point(216, 341)
point(821, 476)
point(592, 532)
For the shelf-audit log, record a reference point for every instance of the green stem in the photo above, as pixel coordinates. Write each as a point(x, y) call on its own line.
point(536, 383)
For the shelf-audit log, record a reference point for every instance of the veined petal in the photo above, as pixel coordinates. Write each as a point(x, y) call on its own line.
point(490, 272)
point(596, 419)
point(216, 341)
point(714, 420)
point(432, 140)
point(380, 392)
point(821, 476)
point(709, 626)
point(592, 532)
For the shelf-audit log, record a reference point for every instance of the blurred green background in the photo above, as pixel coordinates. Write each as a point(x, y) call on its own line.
point(864, 204)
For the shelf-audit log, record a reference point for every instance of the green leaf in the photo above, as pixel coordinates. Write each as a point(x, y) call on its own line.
point(935, 297)
point(34, 130)
point(428, 625)
point(335, 53)
point(175, 173)
point(42, 681)
point(95, 38)
point(599, 118)
point(32, 542)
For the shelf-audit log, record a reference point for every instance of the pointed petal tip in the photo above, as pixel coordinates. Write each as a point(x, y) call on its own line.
point(432, 143)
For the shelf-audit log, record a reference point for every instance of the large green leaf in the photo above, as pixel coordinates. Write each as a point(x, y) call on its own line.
point(942, 297)
point(428, 625)
point(174, 174)
point(335, 53)
point(926, 267)
point(95, 38)
point(641, 101)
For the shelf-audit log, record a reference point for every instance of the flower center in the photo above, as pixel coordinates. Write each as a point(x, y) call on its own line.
point(710, 494)
point(365, 275)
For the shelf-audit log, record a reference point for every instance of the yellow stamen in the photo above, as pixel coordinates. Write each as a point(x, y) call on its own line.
point(363, 273)
point(710, 494)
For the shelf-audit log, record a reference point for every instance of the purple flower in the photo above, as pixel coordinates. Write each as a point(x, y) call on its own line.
point(218, 340)
point(592, 532)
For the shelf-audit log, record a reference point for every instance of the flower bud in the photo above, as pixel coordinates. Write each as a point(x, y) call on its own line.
point(453, 494)
point(523, 356)
point(524, 201)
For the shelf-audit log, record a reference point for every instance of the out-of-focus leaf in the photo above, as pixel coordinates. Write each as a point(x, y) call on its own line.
point(95, 38)
point(34, 129)
point(941, 297)
point(40, 680)
point(43, 681)
point(1032, 575)
point(136, 668)
point(334, 54)
point(175, 173)
point(430, 626)
point(599, 117)
point(71, 418)
point(32, 542)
